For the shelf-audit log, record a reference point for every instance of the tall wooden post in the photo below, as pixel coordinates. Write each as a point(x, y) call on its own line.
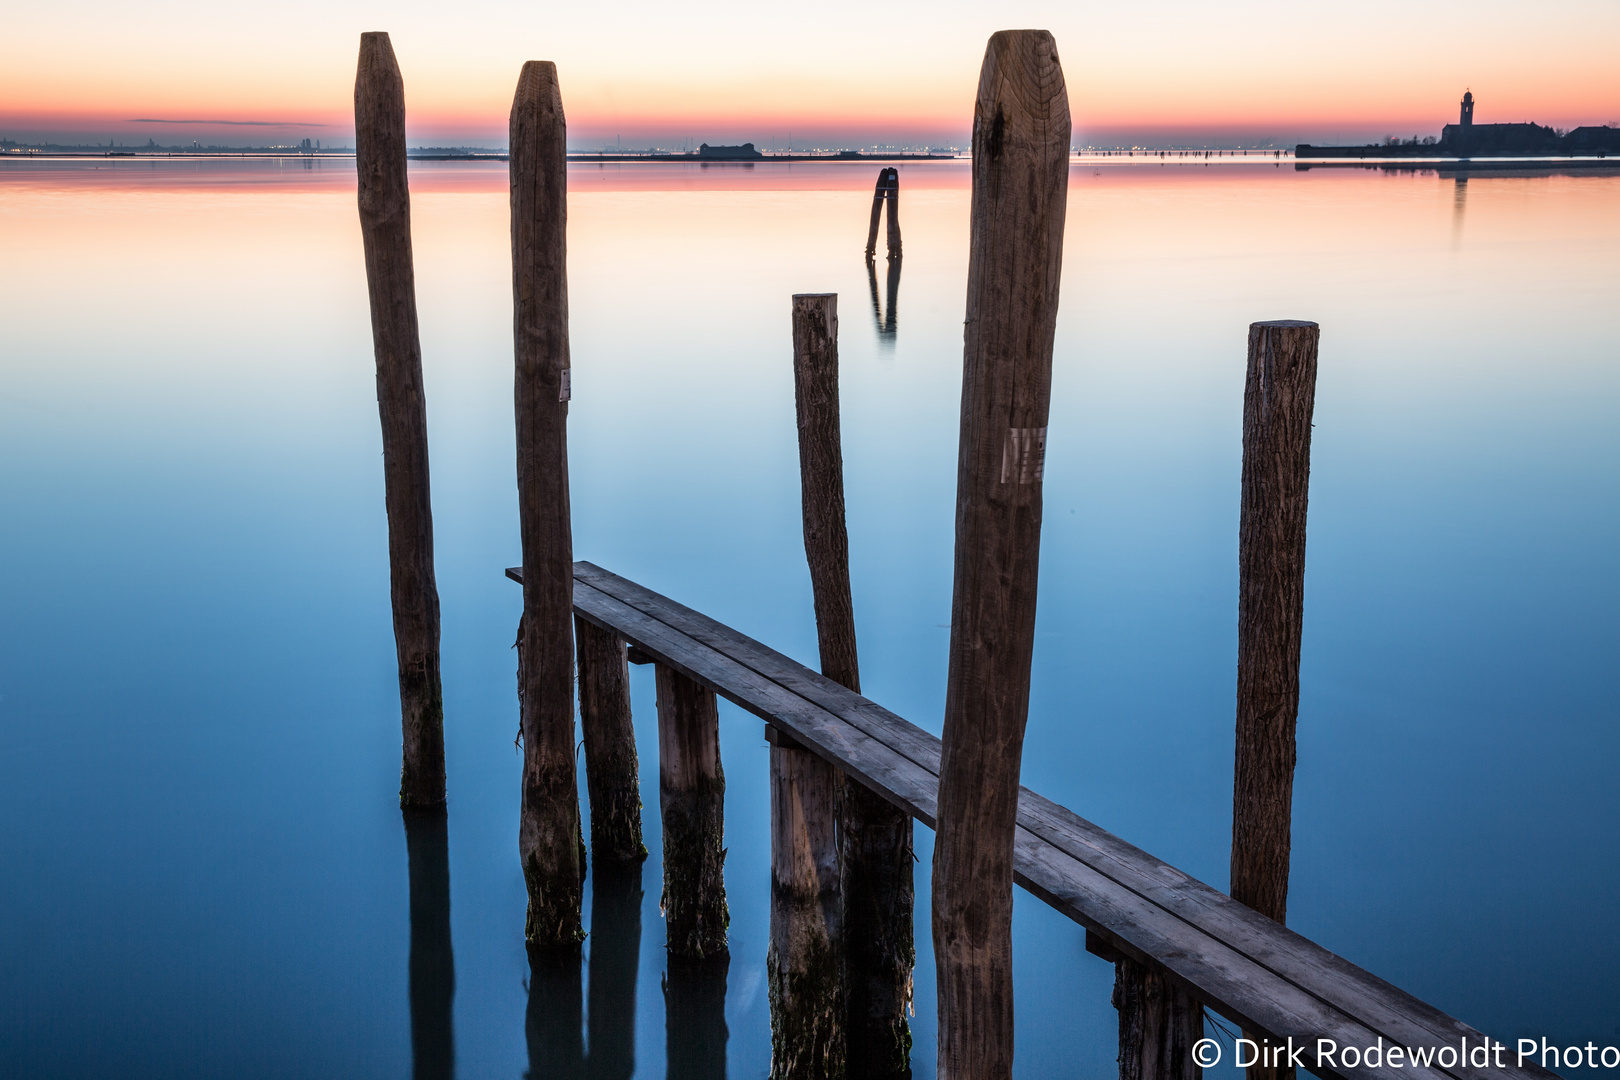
point(612, 774)
point(1279, 396)
point(549, 841)
point(385, 229)
point(874, 838)
point(691, 796)
point(1020, 180)
point(893, 199)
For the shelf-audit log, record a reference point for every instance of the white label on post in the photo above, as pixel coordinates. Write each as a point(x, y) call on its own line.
point(564, 391)
point(1023, 456)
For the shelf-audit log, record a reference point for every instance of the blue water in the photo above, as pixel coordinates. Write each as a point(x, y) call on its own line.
point(203, 869)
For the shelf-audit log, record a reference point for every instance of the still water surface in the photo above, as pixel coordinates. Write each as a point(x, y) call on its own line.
point(203, 871)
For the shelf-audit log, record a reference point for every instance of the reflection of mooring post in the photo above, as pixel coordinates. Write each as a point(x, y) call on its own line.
point(432, 964)
point(888, 190)
point(883, 310)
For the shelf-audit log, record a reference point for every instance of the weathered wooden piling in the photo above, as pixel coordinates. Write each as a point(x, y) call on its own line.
point(886, 191)
point(691, 795)
point(612, 773)
point(874, 838)
point(893, 200)
point(1020, 180)
point(1279, 396)
point(549, 840)
point(1159, 1024)
point(385, 229)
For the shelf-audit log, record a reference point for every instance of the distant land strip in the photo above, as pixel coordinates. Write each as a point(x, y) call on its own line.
point(230, 123)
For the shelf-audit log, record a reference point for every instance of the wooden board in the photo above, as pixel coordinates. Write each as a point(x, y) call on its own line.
point(1256, 972)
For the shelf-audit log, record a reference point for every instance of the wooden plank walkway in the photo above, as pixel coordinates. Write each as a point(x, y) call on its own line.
point(1249, 969)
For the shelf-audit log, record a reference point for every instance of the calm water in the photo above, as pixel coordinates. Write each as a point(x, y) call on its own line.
point(204, 868)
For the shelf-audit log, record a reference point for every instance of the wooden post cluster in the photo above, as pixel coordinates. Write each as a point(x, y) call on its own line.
point(385, 229)
point(887, 191)
point(549, 839)
point(1278, 399)
point(1020, 183)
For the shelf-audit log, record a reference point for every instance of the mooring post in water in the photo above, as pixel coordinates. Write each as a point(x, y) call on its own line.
point(1020, 180)
point(612, 774)
point(1159, 1024)
point(691, 796)
point(1279, 396)
point(877, 215)
point(805, 961)
point(893, 199)
point(874, 838)
point(385, 229)
point(549, 839)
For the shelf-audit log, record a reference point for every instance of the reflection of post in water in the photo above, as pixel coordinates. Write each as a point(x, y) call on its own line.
point(553, 1024)
point(695, 1017)
point(1459, 203)
point(884, 311)
point(433, 964)
point(615, 956)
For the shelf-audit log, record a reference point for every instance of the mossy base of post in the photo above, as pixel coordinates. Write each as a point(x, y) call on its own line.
point(876, 867)
point(694, 899)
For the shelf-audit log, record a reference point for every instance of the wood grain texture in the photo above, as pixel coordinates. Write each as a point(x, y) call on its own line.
point(1159, 1023)
point(1278, 399)
point(549, 838)
point(691, 792)
point(1020, 181)
point(612, 772)
point(385, 229)
point(1252, 970)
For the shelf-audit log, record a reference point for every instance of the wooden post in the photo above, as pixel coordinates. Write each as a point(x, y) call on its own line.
point(433, 962)
point(612, 773)
point(877, 214)
point(1159, 1024)
point(549, 840)
point(691, 795)
point(615, 961)
point(385, 229)
point(893, 199)
point(1278, 398)
point(874, 838)
point(1020, 180)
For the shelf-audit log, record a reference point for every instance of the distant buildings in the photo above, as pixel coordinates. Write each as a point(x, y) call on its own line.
point(745, 152)
point(1468, 139)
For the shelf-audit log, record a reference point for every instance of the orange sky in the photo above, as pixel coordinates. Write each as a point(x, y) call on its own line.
point(720, 70)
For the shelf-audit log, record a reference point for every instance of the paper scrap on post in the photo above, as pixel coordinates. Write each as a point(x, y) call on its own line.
point(565, 390)
point(1023, 456)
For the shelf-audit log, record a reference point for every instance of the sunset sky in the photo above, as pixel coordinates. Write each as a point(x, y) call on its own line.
point(838, 73)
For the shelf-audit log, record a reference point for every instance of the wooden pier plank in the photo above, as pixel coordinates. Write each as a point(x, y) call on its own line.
point(1254, 971)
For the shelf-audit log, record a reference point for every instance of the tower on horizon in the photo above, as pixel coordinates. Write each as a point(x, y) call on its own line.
point(1467, 120)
